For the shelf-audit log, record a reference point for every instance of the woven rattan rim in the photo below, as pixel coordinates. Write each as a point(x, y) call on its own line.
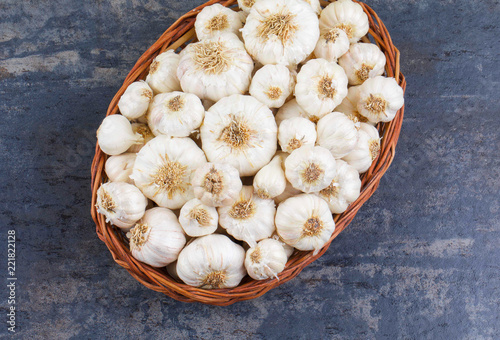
point(175, 37)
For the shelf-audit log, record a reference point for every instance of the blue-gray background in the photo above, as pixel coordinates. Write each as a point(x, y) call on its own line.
point(420, 260)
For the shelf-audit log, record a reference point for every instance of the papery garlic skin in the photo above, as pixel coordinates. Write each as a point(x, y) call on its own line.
point(380, 98)
point(216, 19)
point(281, 31)
point(266, 260)
point(198, 219)
point(216, 184)
point(250, 218)
point(362, 61)
point(115, 135)
point(162, 76)
point(348, 16)
point(212, 261)
point(135, 100)
point(157, 239)
point(337, 133)
point(367, 148)
point(215, 68)
point(119, 168)
point(163, 170)
point(272, 85)
point(240, 131)
point(349, 106)
point(175, 114)
point(122, 203)
point(145, 132)
point(292, 109)
point(296, 132)
point(270, 181)
point(305, 222)
point(332, 44)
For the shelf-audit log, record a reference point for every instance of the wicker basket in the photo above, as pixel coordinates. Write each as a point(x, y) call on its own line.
point(175, 37)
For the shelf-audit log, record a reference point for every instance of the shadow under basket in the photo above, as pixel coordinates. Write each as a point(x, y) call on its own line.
point(177, 37)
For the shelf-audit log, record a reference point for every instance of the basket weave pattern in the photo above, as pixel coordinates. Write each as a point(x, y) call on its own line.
point(177, 36)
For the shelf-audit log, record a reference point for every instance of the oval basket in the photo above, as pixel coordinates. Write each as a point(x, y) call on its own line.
point(176, 37)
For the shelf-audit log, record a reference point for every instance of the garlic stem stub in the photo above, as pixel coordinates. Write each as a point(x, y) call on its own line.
point(296, 132)
point(270, 181)
point(361, 62)
point(266, 260)
point(135, 100)
point(216, 19)
point(115, 135)
point(198, 219)
point(367, 148)
point(162, 75)
point(346, 15)
point(272, 85)
point(119, 168)
point(379, 99)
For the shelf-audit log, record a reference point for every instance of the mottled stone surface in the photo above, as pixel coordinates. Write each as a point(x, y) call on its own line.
point(420, 260)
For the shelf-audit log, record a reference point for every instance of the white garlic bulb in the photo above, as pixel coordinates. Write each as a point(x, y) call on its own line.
point(212, 261)
point(145, 132)
point(241, 131)
point(305, 222)
point(198, 219)
point(332, 44)
point(292, 109)
point(296, 132)
point(310, 168)
point(118, 168)
point(115, 135)
point(163, 170)
point(288, 249)
point(215, 68)
point(270, 181)
point(175, 114)
point(366, 150)
point(362, 61)
point(349, 106)
point(343, 190)
point(379, 99)
point(321, 86)
point(281, 31)
point(157, 239)
point(348, 16)
point(272, 85)
point(250, 218)
point(135, 100)
point(216, 19)
point(337, 133)
point(122, 203)
point(162, 76)
point(266, 260)
point(216, 184)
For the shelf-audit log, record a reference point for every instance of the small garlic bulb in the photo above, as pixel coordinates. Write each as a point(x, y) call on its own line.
point(162, 75)
point(145, 132)
point(348, 16)
point(362, 61)
point(270, 181)
point(366, 150)
point(266, 260)
point(212, 261)
point(157, 239)
point(135, 100)
point(122, 203)
point(337, 133)
point(246, 5)
point(175, 114)
point(349, 106)
point(296, 132)
point(272, 85)
point(240, 131)
point(305, 222)
point(321, 86)
point(216, 19)
point(118, 168)
point(115, 135)
point(216, 184)
point(215, 68)
point(288, 249)
point(380, 99)
point(310, 168)
point(343, 190)
point(163, 170)
point(332, 44)
point(250, 218)
point(281, 31)
point(292, 109)
point(198, 219)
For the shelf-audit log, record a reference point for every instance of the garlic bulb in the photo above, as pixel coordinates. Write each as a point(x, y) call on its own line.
point(296, 132)
point(292, 109)
point(281, 31)
point(272, 85)
point(337, 133)
point(310, 168)
point(118, 168)
point(362, 61)
point(288, 249)
point(122, 203)
point(349, 106)
point(216, 184)
point(240, 131)
point(266, 260)
point(145, 132)
point(163, 170)
point(332, 44)
point(198, 219)
point(216, 19)
point(246, 5)
point(343, 190)
point(115, 135)
point(135, 100)
point(321, 86)
point(289, 192)
point(212, 261)
point(215, 68)
point(348, 16)
point(175, 114)
point(366, 150)
point(270, 181)
point(305, 222)
point(380, 99)
point(157, 239)
point(162, 75)
point(250, 218)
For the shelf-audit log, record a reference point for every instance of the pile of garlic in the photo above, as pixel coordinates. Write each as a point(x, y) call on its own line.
point(238, 150)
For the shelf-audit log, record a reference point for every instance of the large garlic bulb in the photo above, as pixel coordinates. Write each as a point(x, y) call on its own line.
point(349, 106)
point(337, 133)
point(332, 44)
point(270, 181)
point(119, 168)
point(146, 133)
point(216, 19)
point(290, 110)
point(362, 61)
point(296, 132)
point(272, 85)
point(115, 135)
point(266, 260)
point(346, 15)
point(379, 99)
point(135, 100)
point(162, 76)
point(198, 219)
point(366, 150)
